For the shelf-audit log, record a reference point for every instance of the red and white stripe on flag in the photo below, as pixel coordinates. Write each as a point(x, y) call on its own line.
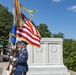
point(25, 33)
point(33, 30)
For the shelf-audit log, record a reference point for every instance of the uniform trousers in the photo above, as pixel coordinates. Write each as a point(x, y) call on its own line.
point(19, 73)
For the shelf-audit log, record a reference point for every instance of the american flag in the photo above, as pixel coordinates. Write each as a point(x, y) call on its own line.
point(29, 33)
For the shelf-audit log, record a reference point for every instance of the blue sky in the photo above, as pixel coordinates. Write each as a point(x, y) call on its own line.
point(59, 15)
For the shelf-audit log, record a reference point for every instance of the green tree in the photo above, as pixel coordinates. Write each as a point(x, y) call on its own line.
point(59, 35)
point(5, 25)
point(43, 29)
point(69, 53)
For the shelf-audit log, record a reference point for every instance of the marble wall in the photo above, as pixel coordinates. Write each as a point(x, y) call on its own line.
point(50, 52)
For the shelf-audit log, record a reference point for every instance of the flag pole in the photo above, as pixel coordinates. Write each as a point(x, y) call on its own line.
point(17, 14)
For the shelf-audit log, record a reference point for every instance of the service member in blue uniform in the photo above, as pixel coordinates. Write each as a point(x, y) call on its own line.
point(21, 60)
point(19, 45)
point(12, 50)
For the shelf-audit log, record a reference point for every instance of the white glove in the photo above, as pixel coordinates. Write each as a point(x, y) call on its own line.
point(11, 57)
point(14, 59)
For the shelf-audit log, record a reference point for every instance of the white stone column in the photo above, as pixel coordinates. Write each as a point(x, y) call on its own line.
point(48, 59)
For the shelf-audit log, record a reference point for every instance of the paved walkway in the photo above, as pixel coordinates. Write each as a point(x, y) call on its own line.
point(3, 66)
point(73, 73)
point(1, 70)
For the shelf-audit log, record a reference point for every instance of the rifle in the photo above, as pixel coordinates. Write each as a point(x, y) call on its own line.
point(12, 64)
point(8, 67)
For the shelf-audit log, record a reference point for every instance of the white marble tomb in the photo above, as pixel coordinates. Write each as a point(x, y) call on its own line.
point(48, 59)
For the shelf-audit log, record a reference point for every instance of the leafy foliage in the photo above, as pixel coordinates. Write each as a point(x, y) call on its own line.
point(69, 47)
point(43, 29)
point(59, 35)
point(5, 25)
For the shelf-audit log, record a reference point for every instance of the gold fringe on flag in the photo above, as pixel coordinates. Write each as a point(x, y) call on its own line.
point(29, 11)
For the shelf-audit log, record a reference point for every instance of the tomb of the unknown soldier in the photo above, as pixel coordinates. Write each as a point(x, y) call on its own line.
point(48, 59)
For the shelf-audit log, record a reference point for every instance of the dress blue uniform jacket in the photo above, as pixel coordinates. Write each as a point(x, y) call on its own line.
point(22, 61)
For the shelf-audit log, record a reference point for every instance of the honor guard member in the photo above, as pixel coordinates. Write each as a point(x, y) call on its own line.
point(21, 60)
point(12, 50)
point(19, 45)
